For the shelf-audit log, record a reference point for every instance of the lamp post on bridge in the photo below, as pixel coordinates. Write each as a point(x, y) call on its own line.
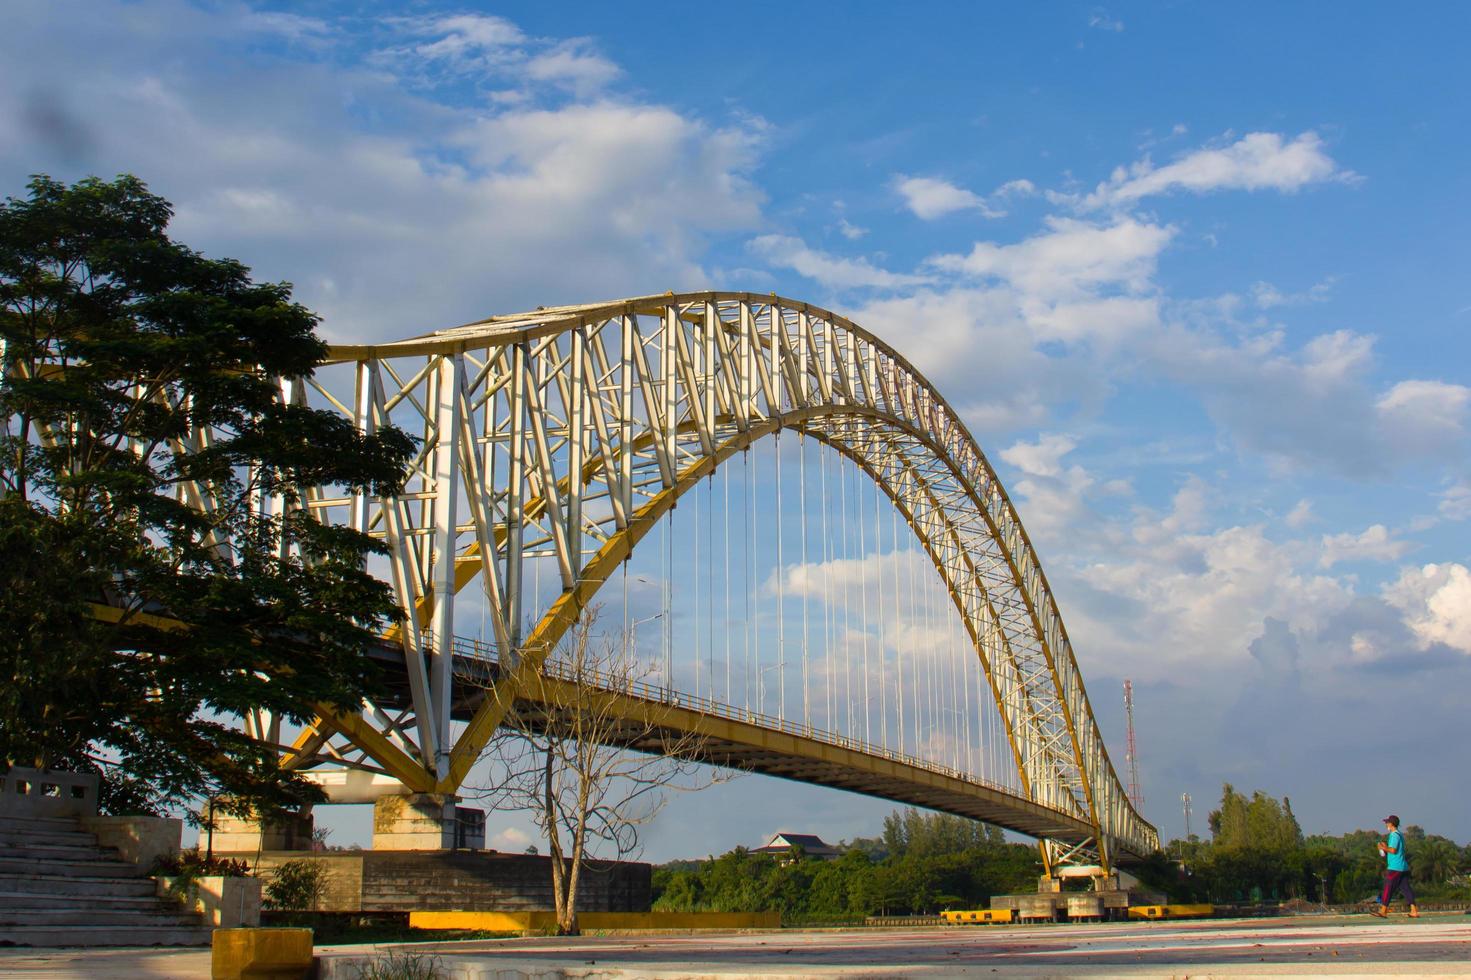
point(630, 641)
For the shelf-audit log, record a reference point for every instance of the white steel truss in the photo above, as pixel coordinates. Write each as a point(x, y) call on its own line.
point(571, 431)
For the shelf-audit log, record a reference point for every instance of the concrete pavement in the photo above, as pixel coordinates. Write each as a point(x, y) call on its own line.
point(1436, 945)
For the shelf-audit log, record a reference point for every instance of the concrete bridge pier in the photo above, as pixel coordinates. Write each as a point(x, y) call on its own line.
point(426, 822)
point(250, 835)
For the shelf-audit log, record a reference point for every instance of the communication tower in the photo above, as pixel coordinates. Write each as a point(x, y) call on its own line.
point(1132, 755)
point(1185, 802)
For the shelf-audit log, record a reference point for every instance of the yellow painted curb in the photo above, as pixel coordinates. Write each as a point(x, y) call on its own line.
point(541, 921)
point(1170, 911)
point(979, 916)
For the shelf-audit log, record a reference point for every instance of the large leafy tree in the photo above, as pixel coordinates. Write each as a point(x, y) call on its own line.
point(146, 593)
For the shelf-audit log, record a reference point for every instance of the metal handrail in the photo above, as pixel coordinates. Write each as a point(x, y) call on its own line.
point(659, 694)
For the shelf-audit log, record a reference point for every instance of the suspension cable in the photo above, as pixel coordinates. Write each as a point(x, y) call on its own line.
point(746, 578)
point(914, 660)
point(899, 653)
point(844, 540)
point(753, 648)
point(726, 566)
point(695, 507)
point(806, 571)
point(878, 525)
point(710, 579)
point(781, 574)
point(829, 675)
point(862, 514)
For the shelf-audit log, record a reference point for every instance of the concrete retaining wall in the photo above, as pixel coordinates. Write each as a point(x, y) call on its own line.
point(412, 881)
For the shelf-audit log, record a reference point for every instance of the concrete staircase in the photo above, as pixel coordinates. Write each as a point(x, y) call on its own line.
point(59, 888)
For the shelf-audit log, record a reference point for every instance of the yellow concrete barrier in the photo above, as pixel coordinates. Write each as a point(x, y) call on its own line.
point(261, 954)
point(1170, 911)
point(544, 921)
point(977, 916)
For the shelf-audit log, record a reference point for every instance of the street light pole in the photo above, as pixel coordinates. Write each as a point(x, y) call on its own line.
point(632, 641)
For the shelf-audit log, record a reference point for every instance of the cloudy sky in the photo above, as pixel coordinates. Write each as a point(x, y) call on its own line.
point(1195, 278)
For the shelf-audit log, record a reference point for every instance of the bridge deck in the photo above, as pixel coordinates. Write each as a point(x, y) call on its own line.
point(729, 736)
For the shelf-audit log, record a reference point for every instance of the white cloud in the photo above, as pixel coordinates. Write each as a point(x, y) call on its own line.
point(462, 43)
point(1455, 501)
point(850, 231)
point(574, 66)
point(930, 198)
point(1267, 296)
point(1099, 20)
point(1436, 603)
point(511, 840)
point(1040, 458)
point(1428, 416)
point(1069, 259)
point(1015, 188)
point(1257, 161)
point(1374, 543)
point(1301, 514)
point(424, 213)
point(788, 252)
point(1310, 408)
point(1195, 598)
point(975, 344)
point(311, 31)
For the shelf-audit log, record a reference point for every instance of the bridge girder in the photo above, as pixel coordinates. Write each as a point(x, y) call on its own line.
point(572, 431)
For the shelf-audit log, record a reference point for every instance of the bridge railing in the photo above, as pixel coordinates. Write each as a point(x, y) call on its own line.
point(561, 669)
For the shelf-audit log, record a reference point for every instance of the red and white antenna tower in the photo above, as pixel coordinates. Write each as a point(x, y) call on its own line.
point(1132, 754)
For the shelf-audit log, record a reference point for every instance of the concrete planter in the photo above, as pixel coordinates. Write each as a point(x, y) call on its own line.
point(138, 840)
point(225, 902)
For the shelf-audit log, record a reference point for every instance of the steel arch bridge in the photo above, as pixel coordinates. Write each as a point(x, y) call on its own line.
point(571, 431)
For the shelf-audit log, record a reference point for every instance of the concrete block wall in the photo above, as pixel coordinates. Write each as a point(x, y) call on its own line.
point(421, 881)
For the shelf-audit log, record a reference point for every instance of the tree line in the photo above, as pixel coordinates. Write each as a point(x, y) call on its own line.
point(920, 864)
point(924, 863)
point(1258, 852)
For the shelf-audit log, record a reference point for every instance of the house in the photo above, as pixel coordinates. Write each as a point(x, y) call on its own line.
point(812, 845)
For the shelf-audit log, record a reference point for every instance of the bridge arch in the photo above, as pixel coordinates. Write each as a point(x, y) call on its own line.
point(579, 428)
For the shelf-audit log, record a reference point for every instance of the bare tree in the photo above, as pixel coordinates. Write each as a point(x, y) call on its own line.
point(590, 749)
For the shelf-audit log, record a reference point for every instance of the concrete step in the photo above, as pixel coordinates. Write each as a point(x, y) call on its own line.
point(105, 936)
point(158, 917)
point(42, 853)
point(20, 838)
point(95, 865)
point(62, 884)
point(12, 900)
point(43, 825)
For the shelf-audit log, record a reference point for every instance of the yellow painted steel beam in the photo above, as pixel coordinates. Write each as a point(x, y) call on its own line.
point(649, 714)
point(398, 763)
point(570, 605)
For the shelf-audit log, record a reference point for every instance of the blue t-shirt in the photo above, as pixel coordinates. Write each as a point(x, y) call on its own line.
point(1397, 860)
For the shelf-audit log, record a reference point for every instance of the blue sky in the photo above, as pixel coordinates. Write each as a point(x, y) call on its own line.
point(1195, 275)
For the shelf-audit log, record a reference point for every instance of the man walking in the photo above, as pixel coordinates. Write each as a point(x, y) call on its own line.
point(1397, 869)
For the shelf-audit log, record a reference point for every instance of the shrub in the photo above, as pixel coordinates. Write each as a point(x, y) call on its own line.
point(296, 885)
point(401, 965)
point(191, 864)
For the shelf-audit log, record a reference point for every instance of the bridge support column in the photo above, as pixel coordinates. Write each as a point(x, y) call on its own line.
point(426, 822)
point(242, 835)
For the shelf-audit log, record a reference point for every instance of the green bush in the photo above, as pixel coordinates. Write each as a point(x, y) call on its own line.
point(296, 885)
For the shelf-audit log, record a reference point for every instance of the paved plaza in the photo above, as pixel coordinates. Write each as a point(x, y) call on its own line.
point(1436, 945)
